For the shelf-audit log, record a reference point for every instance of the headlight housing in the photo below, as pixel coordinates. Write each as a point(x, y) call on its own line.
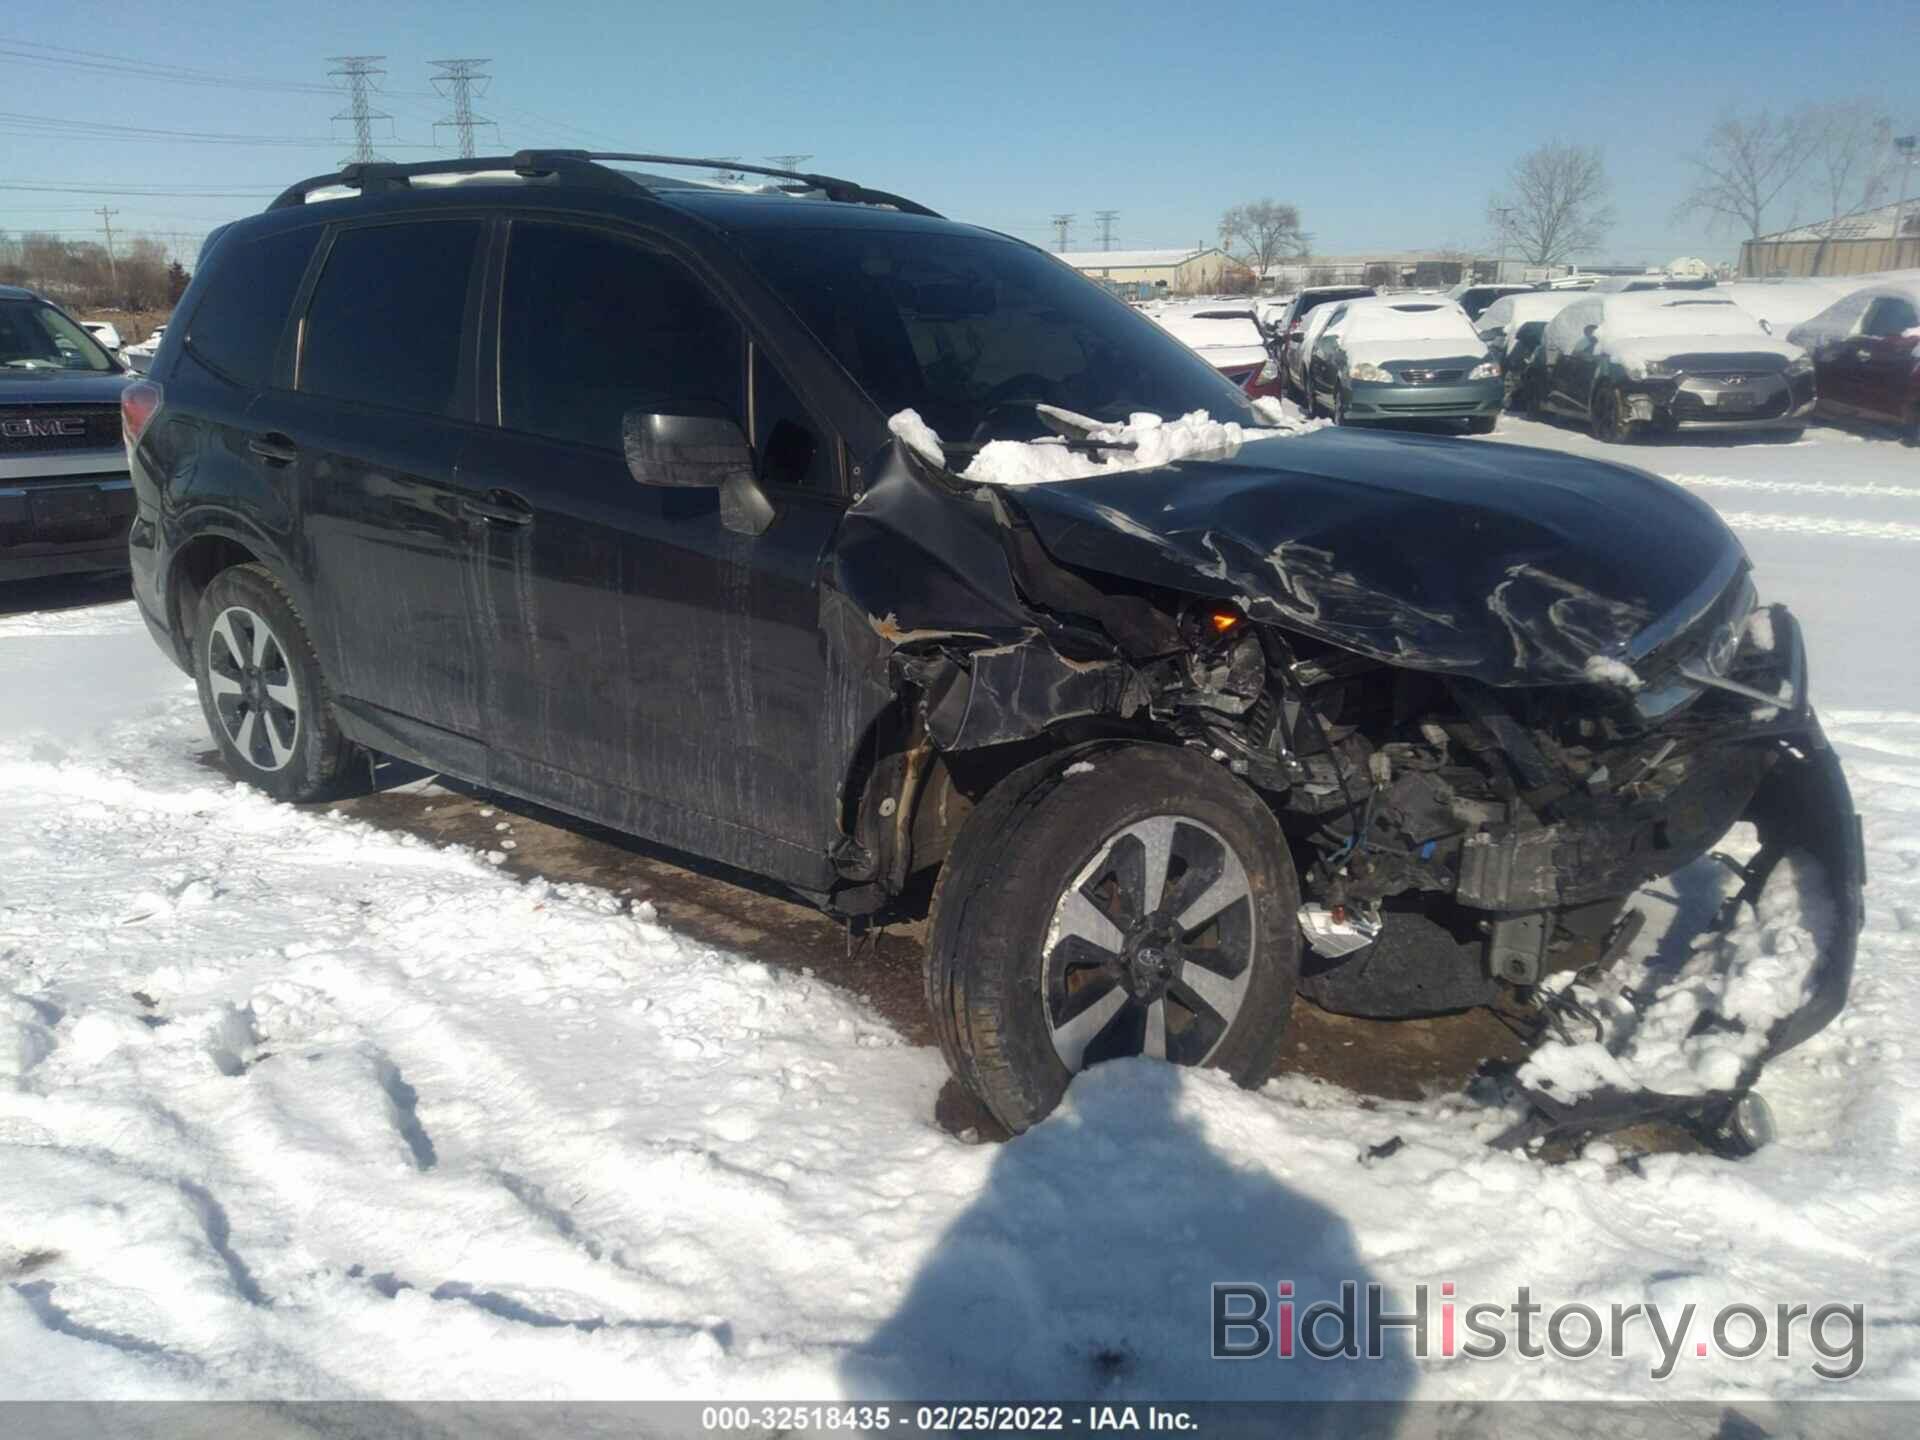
point(1485, 370)
point(1650, 370)
point(1372, 374)
point(1800, 365)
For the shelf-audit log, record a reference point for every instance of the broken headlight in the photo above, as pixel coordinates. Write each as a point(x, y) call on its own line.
point(1650, 370)
point(1485, 370)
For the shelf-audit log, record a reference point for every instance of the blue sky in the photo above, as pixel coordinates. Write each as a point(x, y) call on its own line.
point(1389, 125)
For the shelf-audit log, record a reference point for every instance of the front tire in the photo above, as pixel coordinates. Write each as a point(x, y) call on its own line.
point(267, 704)
point(1607, 419)
point(1149, 907)
point(1481, 424)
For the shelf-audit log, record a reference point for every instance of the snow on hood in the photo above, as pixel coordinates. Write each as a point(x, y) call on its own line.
point(1452, 347)
point(1156, 442)
point(1641, 348)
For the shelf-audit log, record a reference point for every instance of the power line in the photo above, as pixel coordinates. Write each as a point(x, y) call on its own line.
point(117, 188)
point(1062, 225)
point(789, 162)
point(1106, 219)
point(459, 81)
point(360, 74)
point(18, 123)
point(32, 52)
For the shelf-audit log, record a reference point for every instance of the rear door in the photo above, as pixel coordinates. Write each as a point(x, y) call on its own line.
point(654, 669)
point(1883, 354)
point(372, 430)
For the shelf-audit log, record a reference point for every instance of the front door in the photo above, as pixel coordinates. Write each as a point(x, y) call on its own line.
point(373, 431)
point(655, 669)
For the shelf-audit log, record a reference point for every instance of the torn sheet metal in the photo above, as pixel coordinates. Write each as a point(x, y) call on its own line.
point(1507, 565)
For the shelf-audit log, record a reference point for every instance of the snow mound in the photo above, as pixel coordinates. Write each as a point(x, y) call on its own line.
point(1711, 1016)
point(1602, 670)
point(1154, 441)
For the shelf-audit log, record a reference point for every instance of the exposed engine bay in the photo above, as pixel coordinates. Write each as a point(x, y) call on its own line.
point(1476, 753)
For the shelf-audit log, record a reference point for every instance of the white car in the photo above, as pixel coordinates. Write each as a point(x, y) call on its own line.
point(141, 356)
point(104, 332)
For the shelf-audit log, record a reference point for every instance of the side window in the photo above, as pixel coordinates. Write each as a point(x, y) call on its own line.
point(1889, 315)
point(388, 314)
point(237, 324)
point(790, 447)
point(594, 325)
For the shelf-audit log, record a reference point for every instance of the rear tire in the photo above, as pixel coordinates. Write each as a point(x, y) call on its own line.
point(267, 704)
point(1072, 924)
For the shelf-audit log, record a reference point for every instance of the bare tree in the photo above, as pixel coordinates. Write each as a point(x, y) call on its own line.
point(1261, 234)
point(1744, 165)
point(1555, 205)
point(1851, 141)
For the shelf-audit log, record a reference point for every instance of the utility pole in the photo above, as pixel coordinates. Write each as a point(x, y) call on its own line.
point(1503, 211)
point(106, 223)
point(459, 81)
point(1061, 225)
point(1106, 219)
point(1905, 144)
point(789, 162)
point(359, 74)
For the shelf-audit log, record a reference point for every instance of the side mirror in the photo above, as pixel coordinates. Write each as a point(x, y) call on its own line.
point(698, 452)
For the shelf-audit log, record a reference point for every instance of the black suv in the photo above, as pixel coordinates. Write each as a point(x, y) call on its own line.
point(584, 484)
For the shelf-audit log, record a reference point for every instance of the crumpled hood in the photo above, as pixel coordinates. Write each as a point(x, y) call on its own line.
point(1638, 349)
point(1504, 563)
point(61, 387)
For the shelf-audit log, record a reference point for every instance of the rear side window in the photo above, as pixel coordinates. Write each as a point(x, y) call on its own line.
point(593, 325)
point(237, 325)
point(388, 314)
point(1889, 315)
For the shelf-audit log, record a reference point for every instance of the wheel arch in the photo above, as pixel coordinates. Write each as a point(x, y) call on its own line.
point(214, 544)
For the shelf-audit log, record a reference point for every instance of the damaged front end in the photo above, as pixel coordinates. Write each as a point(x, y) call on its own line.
point(1491, 701)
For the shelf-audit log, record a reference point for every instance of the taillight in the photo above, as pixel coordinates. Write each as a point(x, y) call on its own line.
point(139, 403)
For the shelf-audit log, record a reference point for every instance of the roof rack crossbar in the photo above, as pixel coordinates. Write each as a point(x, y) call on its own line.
point(586, 167)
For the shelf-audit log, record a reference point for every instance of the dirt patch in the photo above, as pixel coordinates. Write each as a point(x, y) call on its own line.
point(1396, 1059)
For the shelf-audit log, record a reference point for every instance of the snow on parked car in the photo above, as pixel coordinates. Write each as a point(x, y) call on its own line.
point(1512, 327)
point(1864, 354)
point(1631, 363)
point(1404, 357)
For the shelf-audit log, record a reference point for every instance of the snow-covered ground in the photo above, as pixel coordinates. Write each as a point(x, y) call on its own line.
point(291, 1106)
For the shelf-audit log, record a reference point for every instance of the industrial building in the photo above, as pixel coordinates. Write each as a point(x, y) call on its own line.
point(1143, 274)
point(1856, 244)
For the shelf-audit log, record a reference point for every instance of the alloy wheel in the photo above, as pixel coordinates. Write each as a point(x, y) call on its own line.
point(255, 694)
point(1150, 950)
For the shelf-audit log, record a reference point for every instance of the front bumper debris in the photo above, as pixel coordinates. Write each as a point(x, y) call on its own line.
point(1802, 812)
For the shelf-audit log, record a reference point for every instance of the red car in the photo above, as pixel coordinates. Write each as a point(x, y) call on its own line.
point(1865, 364)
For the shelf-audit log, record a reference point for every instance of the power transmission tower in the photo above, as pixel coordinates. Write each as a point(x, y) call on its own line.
point(1106, 219)
point(459, 81)
point(106, 223)
point(729, 177)
point(789, 162)
point(359, 74)
point(1062, 224)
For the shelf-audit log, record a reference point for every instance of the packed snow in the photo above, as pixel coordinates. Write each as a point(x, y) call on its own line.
point(1144, 442)
point(297, 1107)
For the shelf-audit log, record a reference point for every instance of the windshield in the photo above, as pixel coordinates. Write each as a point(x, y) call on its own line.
point(973, 332)
point(35, 336)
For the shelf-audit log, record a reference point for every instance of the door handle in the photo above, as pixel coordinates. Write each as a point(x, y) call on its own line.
point(274, 448)
point(501, 507)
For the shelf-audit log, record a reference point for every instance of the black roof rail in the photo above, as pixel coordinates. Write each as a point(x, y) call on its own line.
point(583, 167)
point(834, 188)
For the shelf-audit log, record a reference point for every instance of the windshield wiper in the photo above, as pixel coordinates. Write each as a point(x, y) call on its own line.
point(1078, 444)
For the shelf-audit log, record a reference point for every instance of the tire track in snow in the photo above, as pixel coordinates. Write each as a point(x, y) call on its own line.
point(1824, 525)
point(1797, 487)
